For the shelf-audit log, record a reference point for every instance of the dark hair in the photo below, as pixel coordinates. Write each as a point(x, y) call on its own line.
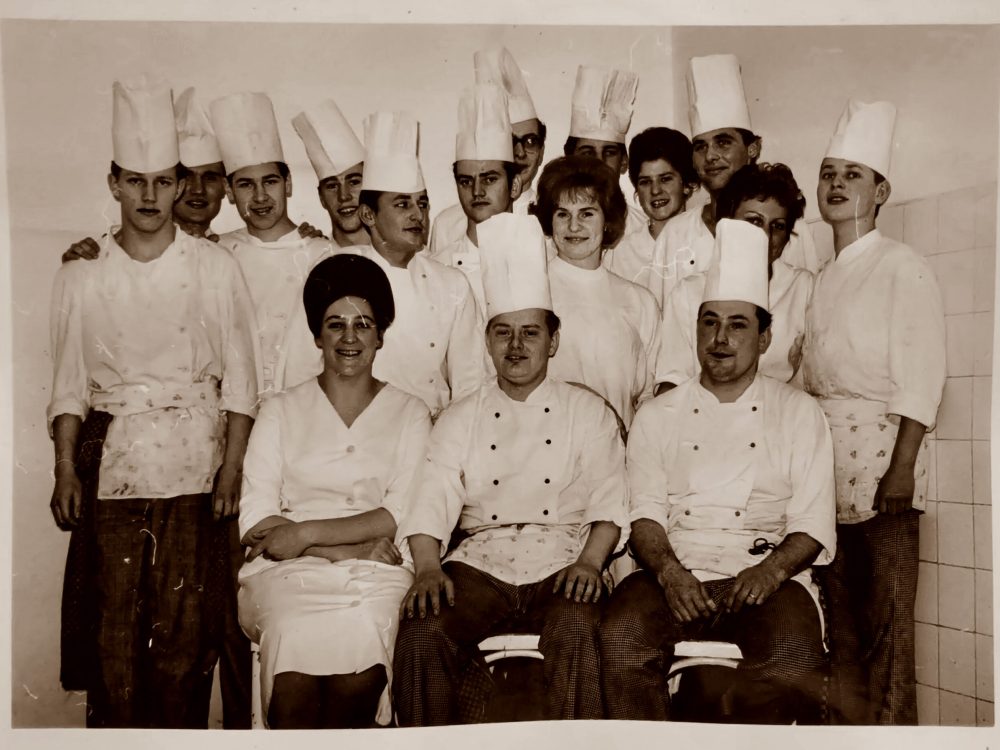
point(570, 175)
point(761, 182)
point(347, 275)
point(542, 130)
point(510, 169)
point(369, 198)
point(763, 319)
point(661, 143)
point(748, 136)
point(282, 170)
point(571, 143)
point(552, 322)
point(180, 171)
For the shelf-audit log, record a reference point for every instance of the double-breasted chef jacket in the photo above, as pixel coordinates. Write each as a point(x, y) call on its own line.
point(525, 480)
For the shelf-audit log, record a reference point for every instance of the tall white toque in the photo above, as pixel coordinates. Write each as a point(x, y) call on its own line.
point(391, 164)
point(195, 136)
point(143, 133)
point(483, 125)
point(514, 267)
point(331, 145)
point(739, 269)
point(864, 135)
point(497, 66)
point(603, 101)
point(247, 130)
point(715, 94)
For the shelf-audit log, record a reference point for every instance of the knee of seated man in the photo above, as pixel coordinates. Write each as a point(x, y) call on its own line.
point(569, 621)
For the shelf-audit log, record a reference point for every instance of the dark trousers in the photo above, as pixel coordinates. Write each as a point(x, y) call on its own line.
point(229, 645)
point(871, 590)
point(435, 655)
point(153, 657)
point(780, 639)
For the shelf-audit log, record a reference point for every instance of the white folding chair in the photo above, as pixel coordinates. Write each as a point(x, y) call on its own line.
point(688, 654)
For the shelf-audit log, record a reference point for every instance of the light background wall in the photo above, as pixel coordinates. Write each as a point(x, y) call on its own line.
point(57, 79)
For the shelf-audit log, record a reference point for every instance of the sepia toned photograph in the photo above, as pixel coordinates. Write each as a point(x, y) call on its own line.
point(389, 375)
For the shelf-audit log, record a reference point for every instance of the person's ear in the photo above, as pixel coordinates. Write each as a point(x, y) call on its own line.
point(765, 341)
point(366, 215)
point(882, 192)
point(288, 186)
point(516, 187)
point(181, 185)
point(554, 344)
point(116, 192)
point(753, 150)
point(230, 194)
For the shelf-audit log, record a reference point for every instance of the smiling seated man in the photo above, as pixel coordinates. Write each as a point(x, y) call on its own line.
point(531, 470)
point(732, 500)
point(486, 176)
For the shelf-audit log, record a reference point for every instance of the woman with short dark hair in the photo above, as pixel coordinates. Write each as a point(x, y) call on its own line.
point(609, 330)
point(326, 475)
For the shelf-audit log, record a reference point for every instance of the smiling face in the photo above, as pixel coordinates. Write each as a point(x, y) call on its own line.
point(729, 342)
point(339, 196)
point(719, 154)
point(401, 222)
point(520, 346)
point(349, 337)
point(204, 189)
point(261, 194)
point(578, 229)
point(146, 198)
point(611, 153)
point(483, 189)
point(847, 191)
point(660, 189)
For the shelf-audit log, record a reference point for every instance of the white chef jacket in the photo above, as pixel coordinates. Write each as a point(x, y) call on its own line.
point(608, 335)
point(275, 273)
point(789, 291)
point(464, 256)
point(633, 260)
point(165, 346)
point(874, 351)
point(718, 476)
point(435, 348)
point(875, 330)
point(449, 226)
point(686, 246)
point(303, 463)
point(524, 479)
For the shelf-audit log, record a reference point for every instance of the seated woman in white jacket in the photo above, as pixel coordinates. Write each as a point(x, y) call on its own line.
point(609, 335)
point(327, 471)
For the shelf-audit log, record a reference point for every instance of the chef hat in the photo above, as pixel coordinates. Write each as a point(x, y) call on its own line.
point(602, 103)
point(331, 145)
point(715, 94)
point(497, 66)
point(483, 125)
point(143, 134)
point(864, 135)
point(391, 163)
point(195, 137)
point(247, 130)
point(515, 274)
point(739, 268)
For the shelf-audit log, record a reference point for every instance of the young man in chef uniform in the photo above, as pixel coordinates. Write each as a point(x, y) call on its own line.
point(498, 67)
point(875, 357)
point(434, 349)
point(152, 346)
point(602, 106)
point(732, 500)
point(531, 471)
point(337, 157)
point(486, 176)
point(723, 141)
point(274, 258)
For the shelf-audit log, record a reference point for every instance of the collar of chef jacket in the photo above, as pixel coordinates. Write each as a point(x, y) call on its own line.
point(717, 450)
point(857, 248)
point(520, 460)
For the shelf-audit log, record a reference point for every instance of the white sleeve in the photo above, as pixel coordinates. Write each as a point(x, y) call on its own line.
point(466, 358)
point(70, 391)
point(677, 358)
point(262, 468)
point(402, 486)
point(603, 463)
point(646, 465)
point(812, 509)
point(240, 348)
point(649, 330)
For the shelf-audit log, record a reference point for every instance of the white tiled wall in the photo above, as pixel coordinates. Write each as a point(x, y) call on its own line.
point(956, 232)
